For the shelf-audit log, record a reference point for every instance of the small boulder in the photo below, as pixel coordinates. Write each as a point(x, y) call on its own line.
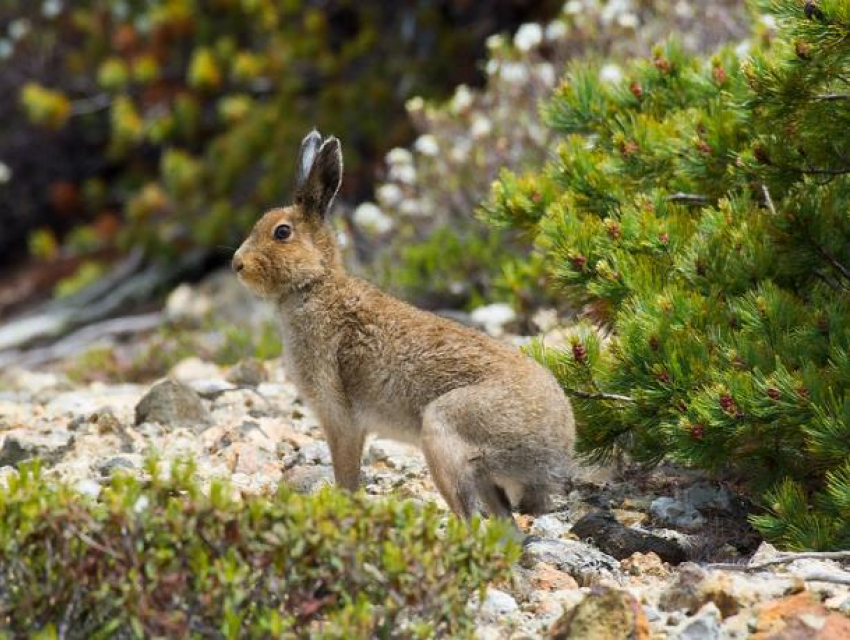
point(705, 625)
point(619, 541)
point(171, 403)
point(583, 562)
point(248, 372)
point(49, 447)
point(309, 479)
point(800, 616)
point(676, 514)
point(604, 614)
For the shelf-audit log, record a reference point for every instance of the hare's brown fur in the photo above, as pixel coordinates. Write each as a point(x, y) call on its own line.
point(495, 427)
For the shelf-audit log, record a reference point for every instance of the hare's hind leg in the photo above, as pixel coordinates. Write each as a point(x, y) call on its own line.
point(458, 469)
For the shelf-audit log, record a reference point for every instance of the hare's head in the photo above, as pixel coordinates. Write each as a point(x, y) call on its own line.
point(292, 247)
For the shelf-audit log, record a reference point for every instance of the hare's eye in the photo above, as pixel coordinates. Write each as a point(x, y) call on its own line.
point(282, 232)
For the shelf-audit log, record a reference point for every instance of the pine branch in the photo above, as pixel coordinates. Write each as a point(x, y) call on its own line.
point(689, 198)
point(767, 199)
point(782, 558)
point(584, 395)
point(835, 263)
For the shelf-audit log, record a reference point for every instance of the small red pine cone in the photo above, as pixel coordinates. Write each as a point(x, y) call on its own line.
point(579, 352)
point(720, 76)
point(614, 231)
point(663, 377)
point(664, 238)
point(803, 391)
point(578, 262)
point(773, 393)
point(636, 89)
point(704, 147)
point(727, 403)
point(662, 64)
point(697, 431)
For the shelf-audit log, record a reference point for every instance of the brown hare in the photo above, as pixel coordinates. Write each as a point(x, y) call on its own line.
point(496, 429)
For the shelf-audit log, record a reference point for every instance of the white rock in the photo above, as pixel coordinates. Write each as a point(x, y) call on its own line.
point(193, 368)
point(498, 604)
point(494, 317)
point(549, 526)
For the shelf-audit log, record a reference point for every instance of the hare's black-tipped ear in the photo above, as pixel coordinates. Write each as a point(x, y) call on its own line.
point(306, 156)
point(317, 192)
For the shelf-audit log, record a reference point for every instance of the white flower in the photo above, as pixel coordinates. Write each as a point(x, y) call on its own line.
point(51, 8)
point(768, 21)
point(462, 99)
point(480, 126)
point(142, 503)
point(399, 156)
point(613, 9)
point(495, 41)
point(5, 173)
point(389, 194)
point(415, 104)
point(743, 49)
point(546, 72)
point(492, 67)
point(611, 73)
point(556, 30)
point(514, 73)
point(411, 208)
point(460, 151)
point(404, 173)
point(684, 10)
point(573, 7)
point(19, 28)
point(628, 21)
point(427, 145)
point(369, 217)
point(528, 36)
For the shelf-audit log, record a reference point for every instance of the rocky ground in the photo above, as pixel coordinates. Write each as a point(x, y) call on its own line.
point(626, 554)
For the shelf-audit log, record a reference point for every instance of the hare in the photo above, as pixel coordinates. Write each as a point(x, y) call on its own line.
point(495, 427)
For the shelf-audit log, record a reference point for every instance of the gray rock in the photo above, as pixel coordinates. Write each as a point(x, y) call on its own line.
point(395, 455)
point(172, 403)
point(118, 463)
point(676, 513)
point(551, 525)
point(498, 604)
point(49, 447)
point(315, 453)
point(249, 372)
point(583, 562)
point(705, 625)
point(308, 479)
point(705, 496)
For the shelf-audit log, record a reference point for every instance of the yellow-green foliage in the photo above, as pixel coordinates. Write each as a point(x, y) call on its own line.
point(164, 558)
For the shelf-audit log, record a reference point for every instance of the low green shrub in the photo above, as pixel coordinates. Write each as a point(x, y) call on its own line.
point(164, 558)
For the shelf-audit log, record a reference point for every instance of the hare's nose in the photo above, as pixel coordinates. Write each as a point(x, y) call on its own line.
point(237, 264)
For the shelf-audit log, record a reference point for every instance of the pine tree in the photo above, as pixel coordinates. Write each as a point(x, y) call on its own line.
point(701, 209)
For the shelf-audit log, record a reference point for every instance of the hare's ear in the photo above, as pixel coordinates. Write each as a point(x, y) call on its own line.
point(306, 156)
point(317, 192)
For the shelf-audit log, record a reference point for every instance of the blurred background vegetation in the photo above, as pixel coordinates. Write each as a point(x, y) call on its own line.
point(169, 125)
